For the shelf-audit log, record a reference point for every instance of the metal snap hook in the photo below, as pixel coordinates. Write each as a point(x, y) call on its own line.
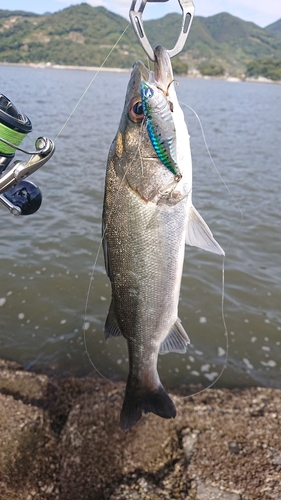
point(187, 8)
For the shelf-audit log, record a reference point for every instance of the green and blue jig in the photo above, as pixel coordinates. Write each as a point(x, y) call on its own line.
point(160, 125)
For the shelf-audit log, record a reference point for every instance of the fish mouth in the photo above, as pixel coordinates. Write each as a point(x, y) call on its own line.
point(163, 71)
point(140, 73)
point(162, 76)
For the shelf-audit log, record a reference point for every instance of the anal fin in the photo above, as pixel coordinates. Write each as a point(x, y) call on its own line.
point(111, 327)
point(176, 340)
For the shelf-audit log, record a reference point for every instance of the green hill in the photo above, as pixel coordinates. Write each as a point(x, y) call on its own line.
point(227, 41)
point(79, 35)
point(83, 35)
point(275, 29)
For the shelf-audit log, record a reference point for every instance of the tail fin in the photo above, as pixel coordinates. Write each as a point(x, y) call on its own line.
point(148, 401)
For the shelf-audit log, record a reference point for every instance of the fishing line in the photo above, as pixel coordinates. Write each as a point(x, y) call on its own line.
point(100, 245)
point(223, 261)
point(104, 230)
point(95, 264)
point(13, 137)
point(226, 339)
point(218, 172)
point(85, 314)
point(91, 82)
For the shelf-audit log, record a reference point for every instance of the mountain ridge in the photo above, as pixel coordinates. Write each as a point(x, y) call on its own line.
point(83, 35)
point(275, 28)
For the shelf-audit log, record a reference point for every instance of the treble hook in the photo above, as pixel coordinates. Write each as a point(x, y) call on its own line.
point(187, 8)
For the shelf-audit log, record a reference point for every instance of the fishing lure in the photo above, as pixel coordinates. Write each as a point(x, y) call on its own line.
point(160, 125)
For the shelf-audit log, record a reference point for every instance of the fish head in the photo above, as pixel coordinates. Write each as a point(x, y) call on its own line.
point(164, 78)
point(132, 119)
point(132, 153)
point(131, 127)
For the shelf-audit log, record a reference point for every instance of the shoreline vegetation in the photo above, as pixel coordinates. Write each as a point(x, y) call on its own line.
point(195, 74)
point(60, 440)
point(219, 46)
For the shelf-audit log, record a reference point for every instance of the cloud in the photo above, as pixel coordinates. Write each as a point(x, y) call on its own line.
point(94, 3)
point(261, 13)
point(120, 7)
point(100, 3)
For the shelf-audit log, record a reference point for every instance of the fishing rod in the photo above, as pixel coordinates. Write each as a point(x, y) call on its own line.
point(18, 195)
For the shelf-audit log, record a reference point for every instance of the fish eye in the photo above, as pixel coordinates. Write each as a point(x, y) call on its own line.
point(136, 110)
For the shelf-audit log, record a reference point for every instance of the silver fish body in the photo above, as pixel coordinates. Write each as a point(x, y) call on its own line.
point(145, 217)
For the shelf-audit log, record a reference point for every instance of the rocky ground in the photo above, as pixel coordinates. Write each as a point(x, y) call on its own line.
point(60, 440)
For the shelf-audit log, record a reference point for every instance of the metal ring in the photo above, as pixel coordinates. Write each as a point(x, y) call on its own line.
point(187, 8)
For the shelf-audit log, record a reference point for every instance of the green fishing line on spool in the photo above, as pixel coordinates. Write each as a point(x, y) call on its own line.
point(14, 126)
point(12, 136)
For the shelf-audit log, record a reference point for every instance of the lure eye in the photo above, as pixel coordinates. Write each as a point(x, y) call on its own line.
point(136, 110)
point(148, 92)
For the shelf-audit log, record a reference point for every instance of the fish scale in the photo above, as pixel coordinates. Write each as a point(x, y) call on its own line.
point(144, 313)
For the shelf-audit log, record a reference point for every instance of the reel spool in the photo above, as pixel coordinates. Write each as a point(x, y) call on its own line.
point(14, 126)
point(24, 197)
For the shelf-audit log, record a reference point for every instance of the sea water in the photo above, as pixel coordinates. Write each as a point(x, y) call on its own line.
point(47, 259)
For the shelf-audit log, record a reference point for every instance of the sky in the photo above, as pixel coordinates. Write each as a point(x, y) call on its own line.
point(260, 12)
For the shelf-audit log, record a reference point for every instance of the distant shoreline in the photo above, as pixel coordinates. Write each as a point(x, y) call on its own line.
point(48, 65)
point(61, 66)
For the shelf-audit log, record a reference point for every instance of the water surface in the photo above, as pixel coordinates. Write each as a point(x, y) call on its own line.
point(47, 259)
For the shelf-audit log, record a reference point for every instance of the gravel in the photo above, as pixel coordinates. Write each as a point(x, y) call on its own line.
point(60, 440)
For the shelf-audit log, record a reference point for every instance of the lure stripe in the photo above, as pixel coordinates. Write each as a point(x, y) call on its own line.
point(160, 125)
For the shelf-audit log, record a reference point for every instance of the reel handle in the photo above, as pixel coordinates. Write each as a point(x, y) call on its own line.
point(24, 198)
point(20, 196)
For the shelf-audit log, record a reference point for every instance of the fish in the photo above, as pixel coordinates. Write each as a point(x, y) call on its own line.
point(148, 218)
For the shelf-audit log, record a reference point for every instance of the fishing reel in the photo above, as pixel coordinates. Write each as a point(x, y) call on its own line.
point(20, 196)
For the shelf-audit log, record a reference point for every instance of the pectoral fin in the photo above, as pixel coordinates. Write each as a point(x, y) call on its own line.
point(198, 234)
point(105, 252)
point(111, 328)
point(176, 340)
